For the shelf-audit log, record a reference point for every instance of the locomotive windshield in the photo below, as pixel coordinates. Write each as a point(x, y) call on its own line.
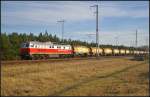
point(23, 45)
point(27, 45)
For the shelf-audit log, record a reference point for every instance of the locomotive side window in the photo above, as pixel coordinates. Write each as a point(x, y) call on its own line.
point(58, 47)
point(51, 46)
point(61, 47)
point(32, 45)
point(27, 45)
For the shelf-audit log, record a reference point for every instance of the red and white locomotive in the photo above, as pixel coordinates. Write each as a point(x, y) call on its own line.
point(34, 50)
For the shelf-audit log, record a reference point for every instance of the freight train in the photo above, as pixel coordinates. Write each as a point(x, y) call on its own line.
point(45, 50)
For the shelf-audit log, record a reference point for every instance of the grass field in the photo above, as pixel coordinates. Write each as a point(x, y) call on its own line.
point(115, 76)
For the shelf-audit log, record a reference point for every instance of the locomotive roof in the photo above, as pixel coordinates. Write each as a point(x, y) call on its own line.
point(48, 43)
point(37, 42)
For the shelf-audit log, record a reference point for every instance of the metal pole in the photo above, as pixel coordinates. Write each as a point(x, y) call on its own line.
point(116, 40)
point(147, 45)
point(62, 21)
point(136, 39)
point(63, 30)
point(97, 30)
point(97, 34)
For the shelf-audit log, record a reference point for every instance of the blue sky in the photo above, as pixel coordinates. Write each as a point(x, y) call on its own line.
point(116, 19)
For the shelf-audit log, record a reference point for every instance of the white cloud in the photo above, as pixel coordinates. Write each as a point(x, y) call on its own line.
point(36, 13)
point(49, 13)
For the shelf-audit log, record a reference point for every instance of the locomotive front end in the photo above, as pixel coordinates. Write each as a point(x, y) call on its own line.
point(25, 51)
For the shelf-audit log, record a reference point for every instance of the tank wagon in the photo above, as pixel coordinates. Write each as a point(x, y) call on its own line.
point(116, 52)
point(45, 50)
point(131, 52)
point(108, 51)
point(122, 52)
point(141, 52)
point(135, 52)
point(94, 50)
point(81, 50)
point(127, 52)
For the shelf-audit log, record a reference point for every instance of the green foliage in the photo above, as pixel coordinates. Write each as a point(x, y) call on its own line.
point(10, 43)
point(6, 51)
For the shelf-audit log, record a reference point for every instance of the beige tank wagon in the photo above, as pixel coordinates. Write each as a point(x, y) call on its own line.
point(116, 51)
point(146, 52)
point(127, 52)
point(141, 52)
point(131, 52)
point(122, 51)
point(81, 50)
point(99, 50)
point(136, 52)
point(108, 51)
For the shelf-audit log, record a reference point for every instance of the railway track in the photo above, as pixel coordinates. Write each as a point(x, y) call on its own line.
point(56, 60)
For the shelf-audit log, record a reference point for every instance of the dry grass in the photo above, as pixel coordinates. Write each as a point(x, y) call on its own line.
point(116, 76)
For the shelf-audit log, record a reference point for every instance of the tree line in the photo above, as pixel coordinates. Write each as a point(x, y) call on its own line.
point(10, 43)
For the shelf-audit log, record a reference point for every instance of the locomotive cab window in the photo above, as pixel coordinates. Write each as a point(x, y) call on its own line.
point(58, 47)
point(32, 45)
